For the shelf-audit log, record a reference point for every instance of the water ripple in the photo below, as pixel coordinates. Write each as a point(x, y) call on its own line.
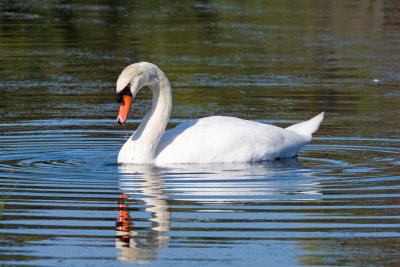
point(65, 186)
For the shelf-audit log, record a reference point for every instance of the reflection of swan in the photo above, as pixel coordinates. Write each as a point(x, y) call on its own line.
point(206, 140)
point(135, 247)
point(232, 182)
point(189, 187)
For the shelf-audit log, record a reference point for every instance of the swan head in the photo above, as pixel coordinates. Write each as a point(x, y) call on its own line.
point(130, 81)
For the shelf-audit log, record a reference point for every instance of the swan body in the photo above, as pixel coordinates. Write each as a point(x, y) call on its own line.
point(215, 139)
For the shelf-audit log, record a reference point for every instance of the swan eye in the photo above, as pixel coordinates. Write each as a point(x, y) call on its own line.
point(125, 91)
point(119, 98)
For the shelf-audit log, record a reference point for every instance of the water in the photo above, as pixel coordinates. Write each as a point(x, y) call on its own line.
point(66, 202)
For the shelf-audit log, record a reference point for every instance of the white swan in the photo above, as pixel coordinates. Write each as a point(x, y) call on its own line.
point(206, 140)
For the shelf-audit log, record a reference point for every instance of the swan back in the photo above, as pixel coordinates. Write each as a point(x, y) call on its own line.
point(227, 139)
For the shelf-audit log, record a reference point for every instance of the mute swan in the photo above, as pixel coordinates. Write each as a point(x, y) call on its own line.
point(213, 139)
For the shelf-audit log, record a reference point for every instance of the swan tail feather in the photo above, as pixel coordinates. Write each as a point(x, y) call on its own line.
point(307, 127)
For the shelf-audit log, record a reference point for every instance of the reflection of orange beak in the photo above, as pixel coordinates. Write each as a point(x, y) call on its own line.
point(124, 109)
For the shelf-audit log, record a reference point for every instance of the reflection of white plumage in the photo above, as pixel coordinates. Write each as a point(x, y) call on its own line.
point(144, 183)
point(205, 140)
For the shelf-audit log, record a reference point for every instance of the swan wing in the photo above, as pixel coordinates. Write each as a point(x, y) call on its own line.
point(227, 139)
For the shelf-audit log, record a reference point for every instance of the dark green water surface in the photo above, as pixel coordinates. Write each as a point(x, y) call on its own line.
point(65, 201)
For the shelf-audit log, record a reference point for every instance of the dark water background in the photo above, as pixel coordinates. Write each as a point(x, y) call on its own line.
point(65, 201)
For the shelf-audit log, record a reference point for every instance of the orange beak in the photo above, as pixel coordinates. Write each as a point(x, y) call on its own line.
point(124, 109)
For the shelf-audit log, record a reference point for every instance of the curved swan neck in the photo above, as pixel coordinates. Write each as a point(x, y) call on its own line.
point(154, 123)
